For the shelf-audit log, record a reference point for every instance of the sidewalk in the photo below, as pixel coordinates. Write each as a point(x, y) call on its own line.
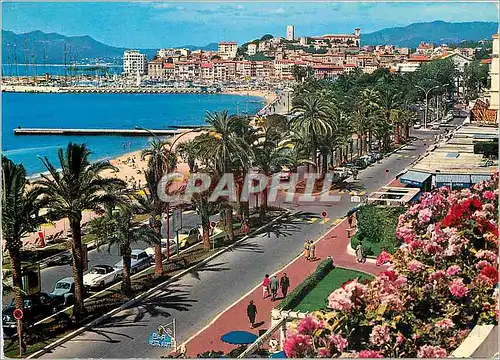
point(333, 244)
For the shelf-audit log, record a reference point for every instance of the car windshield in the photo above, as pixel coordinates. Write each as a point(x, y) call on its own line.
point(99, 271)
point(63, 285)
point(134, 257)
point(26, 303)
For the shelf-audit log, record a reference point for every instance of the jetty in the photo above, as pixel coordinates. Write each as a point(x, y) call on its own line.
point(97, 132)
point(108, 89)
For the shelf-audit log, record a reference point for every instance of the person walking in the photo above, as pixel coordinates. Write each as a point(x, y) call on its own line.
point(350, 218)
point(284, 284)
point(265, 287)
point(251, 313)
point(359, 253)
point(312, 251)
point(355, 174)
point(274, 286)
point(306, 250)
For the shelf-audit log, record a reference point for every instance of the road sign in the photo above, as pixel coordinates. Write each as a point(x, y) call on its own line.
point(387, 170)
point(212, 224)
point(324, 214)
point(18, 314)
point(356, 199)
point(177, 219)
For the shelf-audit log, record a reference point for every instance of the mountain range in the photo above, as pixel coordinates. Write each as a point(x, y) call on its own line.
point(36, 46)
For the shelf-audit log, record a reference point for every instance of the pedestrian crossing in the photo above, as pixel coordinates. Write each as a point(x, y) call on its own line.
point(323, 221)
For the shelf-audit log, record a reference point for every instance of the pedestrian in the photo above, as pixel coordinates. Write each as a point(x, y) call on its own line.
point(265, 287)
point(251, 313)
point(359, 253)
point(350, 219)
point(274, 286)
point(284, 284)
point(312, 251)
point(355, 174)
point(306, 250)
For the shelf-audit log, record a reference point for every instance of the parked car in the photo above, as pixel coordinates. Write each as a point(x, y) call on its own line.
point(64, 259)
point(100, 276)
point(140, 260)
point(64, 289)
point(36, 307)
point(417, 125)
point(368, 159)
point(189, 237)
point(341, 173)
point(361, 164)
point(376, 155)
point(172, 248)
point(435, 126)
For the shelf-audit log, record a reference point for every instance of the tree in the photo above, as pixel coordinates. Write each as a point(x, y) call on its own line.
point(314, 117)
point(20, 216)
point(301, 73)
point(188, 150)
point(224, 147)
point(161, 160)
point(266, 37)
point(78, 186)
point(475, 77)
point(120, 229)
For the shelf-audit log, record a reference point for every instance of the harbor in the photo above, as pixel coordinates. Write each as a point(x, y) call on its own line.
point(109, 90)
point(98, 132)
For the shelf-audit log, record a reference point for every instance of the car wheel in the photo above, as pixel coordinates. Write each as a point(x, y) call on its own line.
point(55, 309)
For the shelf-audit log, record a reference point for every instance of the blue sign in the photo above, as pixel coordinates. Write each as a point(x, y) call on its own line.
point(160, 340)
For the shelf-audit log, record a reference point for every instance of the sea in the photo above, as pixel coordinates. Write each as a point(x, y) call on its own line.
point(59, 69)
point(97, 111)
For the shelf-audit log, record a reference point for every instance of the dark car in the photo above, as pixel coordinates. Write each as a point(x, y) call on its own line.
point(63, 259)
point(36, 307)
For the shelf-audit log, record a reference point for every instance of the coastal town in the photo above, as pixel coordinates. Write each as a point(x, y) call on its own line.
point(286, 197)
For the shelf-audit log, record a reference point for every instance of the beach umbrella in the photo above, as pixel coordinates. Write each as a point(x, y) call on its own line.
point(278, 355)
point(239, 337)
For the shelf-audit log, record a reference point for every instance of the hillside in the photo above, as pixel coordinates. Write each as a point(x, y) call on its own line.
point(437, 32)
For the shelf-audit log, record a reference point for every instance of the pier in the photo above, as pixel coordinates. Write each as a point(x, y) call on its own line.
point(107, 89)
point(97, 132)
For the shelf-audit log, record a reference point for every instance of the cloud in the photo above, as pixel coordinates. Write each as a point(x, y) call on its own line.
point(240, 7)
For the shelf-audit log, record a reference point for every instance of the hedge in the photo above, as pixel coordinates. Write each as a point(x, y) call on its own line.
point(487, 148)
point(296, 296)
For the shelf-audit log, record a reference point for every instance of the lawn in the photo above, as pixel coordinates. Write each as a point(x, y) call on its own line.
point(318, 297)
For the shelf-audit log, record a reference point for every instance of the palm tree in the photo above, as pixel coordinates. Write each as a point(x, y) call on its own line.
point(20, 216)
point(161, 160)
point(314, 118)
point(188, 150)
point(78, 186)
point(120, 229)
point(225, 147)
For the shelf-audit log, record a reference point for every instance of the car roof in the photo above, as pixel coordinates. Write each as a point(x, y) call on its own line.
point(67, 279)
point(137, 251)
point(103, 266)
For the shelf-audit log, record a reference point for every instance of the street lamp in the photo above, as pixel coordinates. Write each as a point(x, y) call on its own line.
point(427, 92)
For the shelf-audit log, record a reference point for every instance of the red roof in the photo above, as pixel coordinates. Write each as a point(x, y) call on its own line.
point(419, 58)
point(349, 65)
point(206, 65)
point(168, 66)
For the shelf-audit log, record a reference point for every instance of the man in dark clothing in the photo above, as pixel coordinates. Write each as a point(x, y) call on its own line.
point(251, 313)
point(284, 284)
point(274, 286)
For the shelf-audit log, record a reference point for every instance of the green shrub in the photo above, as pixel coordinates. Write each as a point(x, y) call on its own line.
point(487, 148)
point(377, 225)
point(296, 296)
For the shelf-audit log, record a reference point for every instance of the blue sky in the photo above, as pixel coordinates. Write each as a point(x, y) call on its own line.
point(164, 24)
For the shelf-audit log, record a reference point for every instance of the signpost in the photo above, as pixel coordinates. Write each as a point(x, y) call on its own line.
point(177, 225)
point(164, 336)
point(387, 175)
point(356, 199)
point(18, 315)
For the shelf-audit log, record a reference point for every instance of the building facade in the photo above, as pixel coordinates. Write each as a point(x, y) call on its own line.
point(134, 63)
point(290, 33)
point(228, 49)
point(495, 65)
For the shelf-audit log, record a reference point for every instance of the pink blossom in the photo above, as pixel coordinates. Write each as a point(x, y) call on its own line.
point(400, 339)
point(401, 281)
point(453, 270)
point(432, 248)
point(489, 195)
point(340, 300)
point(298, 346)
point(384, 257)
point(339, 342)
point(369, 354)
point(424, 215)
point(445, 324)
point(437, 275)
point(488, 255)
point(380, 335)
point(481, 264)
point(309, 325)
point(415, 266)
point(324, 353)
point(428, 351)
point(458, 289)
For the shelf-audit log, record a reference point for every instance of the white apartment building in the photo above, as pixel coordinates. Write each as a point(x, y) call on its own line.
point(495, 73)
point(228, 49)
point(134, 63)
point(252, 49)
point(290, 33)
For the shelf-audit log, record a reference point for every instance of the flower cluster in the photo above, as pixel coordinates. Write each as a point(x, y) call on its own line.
point(439, 284)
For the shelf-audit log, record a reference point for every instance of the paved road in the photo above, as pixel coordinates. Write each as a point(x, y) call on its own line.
point(197, 298)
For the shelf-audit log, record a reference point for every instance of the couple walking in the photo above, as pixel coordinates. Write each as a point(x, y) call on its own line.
point(271, 285)
point(309, 250)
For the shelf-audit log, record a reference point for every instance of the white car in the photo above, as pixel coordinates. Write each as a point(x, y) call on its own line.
point(417, 126)
point(172, 248)
point(100, 276)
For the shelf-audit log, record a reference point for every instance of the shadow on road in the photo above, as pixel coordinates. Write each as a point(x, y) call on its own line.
point(207, 267)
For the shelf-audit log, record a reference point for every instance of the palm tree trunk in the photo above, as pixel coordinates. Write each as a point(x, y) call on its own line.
point(205, 225)
point(360, 140)
point(17, 282)
point(229, 210)
point(167, 228)
point(77, 252)
point(126, 281)
point(263, 205)
point(324, 158)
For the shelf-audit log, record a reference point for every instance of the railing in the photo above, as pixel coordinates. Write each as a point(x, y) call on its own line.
point(262, 339)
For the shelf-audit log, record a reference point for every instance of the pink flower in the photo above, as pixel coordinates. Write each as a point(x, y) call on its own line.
point(445, 324)
point(369, 354)
point(380, 335)
point(489, 195)
point(415, 266)
point(400, 339)
point(488, 255)
point(384, 257)
point(339, 342)
point(324, 353)
point(309, 325)
point(298, 346)
point(458, 289)
point(424, 215)
point(453, 270)
point(481, 264)
point(340, 300)
point(401, 281)
point(428, 351)
point(437, 275)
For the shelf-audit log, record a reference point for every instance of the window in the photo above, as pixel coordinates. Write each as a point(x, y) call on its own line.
point(63, 285)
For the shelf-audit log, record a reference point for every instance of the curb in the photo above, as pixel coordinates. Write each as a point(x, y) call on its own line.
point(131, 302)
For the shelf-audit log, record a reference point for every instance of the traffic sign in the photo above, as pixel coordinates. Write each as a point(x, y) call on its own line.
point(324, 214)
point(18, 314)
point(212, 224)
point(386, 170)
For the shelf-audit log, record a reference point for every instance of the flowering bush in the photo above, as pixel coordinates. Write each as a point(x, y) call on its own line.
point(439, 285)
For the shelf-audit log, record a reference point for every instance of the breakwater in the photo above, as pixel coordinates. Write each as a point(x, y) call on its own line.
point(107, 90)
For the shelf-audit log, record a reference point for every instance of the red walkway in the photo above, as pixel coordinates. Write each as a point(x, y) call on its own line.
point(333, 244)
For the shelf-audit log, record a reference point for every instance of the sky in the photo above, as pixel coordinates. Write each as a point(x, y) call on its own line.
point(165, 24)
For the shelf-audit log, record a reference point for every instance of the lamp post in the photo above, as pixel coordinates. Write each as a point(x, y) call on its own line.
point(426, 92)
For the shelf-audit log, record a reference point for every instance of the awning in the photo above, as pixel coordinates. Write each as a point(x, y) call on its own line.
point(453, 178)
point(474, 179)
point(414, 178)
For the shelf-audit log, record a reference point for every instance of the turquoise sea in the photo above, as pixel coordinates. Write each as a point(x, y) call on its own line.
point(115, 111)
